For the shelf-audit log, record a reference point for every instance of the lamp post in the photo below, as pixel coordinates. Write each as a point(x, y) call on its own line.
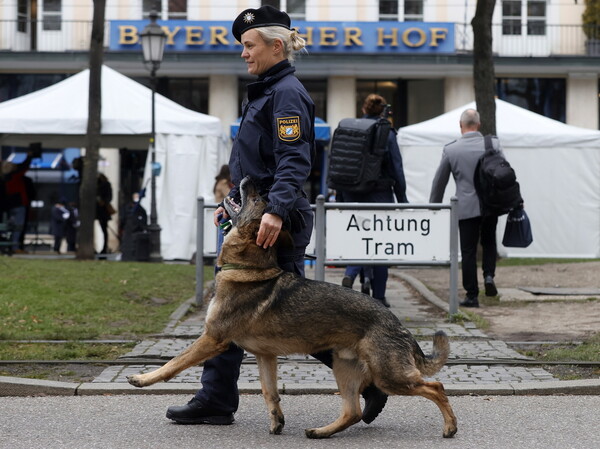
point(153, 44)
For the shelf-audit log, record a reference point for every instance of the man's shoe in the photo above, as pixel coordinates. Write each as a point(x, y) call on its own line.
point(375, 400)
point(347, 282)
point(490, 287)
point(195, 413)
point(470, 302)
point(383, 301)
point(366, 287)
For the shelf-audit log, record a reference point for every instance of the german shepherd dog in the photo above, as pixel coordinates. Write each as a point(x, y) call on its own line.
point(269, 312)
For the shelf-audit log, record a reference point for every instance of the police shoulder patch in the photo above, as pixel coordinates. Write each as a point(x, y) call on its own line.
point(288, 128)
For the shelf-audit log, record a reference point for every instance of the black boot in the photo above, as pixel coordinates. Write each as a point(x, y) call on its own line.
point(375, 400)
point(470, 302)
point(195, 413)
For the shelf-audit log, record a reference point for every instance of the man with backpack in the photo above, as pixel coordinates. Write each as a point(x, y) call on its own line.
point(476, 222)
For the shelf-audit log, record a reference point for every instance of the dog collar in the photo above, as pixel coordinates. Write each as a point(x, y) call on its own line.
point(237, 266)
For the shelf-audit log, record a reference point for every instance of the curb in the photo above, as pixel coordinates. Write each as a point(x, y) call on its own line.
point(16, 386)
point(424, 291)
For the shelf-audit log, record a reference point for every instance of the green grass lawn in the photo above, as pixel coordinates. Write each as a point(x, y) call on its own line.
point(76, 300)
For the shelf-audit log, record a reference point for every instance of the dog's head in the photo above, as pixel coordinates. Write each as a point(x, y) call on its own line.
point(239, 246)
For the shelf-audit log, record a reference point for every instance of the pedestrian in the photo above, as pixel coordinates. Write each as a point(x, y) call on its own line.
point(72, 226)
point(104, 209)
point(460, 157)
point(375, 277)
point(274, 146)
point(223, 184)
point(16, 197)
point(58, 222)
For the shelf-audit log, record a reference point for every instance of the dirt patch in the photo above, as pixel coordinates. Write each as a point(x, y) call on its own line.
point(531, 321)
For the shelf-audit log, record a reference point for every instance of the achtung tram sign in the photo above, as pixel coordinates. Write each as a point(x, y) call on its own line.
point(402, 235)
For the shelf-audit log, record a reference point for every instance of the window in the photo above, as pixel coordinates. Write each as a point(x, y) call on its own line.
point(536, 18)
point(149, 5)
point(388, 10)
point(513, 16)
point(22, 16)
point(296, 9)
point(177, 9)
point(52, 16)
point(545, 96)
point(273, 3)
point(413, 10)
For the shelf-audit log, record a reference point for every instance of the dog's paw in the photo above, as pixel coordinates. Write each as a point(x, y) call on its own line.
point(449, 433)
point(314, 434)
point(135, 380)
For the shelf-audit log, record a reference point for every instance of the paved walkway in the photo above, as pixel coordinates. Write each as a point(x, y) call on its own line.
point(470, 349)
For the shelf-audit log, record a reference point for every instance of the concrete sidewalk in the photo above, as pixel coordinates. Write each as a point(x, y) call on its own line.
point(474, 367)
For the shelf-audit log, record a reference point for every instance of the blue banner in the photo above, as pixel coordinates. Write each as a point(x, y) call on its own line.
point(321, 37)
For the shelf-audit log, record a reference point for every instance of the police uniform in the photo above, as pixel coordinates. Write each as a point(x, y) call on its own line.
point(274, 146)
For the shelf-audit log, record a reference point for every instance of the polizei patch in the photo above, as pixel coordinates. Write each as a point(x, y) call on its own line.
point(288, 128)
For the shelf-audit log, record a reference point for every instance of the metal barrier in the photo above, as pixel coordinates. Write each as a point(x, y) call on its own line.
point(321, 209)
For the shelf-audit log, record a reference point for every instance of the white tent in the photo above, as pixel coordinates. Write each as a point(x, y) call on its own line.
point(190, 146)
point(557, 166)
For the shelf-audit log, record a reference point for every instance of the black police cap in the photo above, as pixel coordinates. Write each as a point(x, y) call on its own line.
point(265, 16)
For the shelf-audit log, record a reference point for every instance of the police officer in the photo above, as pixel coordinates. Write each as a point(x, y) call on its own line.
point(274, 146)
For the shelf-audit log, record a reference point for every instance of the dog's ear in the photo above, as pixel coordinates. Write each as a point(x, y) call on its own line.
point(284, 240)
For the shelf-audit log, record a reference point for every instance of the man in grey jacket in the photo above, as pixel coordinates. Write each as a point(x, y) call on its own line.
point(460, 158)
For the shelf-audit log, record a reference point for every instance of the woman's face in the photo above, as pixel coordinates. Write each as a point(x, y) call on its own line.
point(259, 55)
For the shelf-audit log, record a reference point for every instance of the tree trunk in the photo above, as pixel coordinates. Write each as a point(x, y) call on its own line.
point(483, 66)
point(87, 190)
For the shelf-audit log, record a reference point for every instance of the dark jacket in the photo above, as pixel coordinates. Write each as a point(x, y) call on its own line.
point(276, 139)
point(393, 169)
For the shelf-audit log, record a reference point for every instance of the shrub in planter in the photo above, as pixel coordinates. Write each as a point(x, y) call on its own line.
point(591, 19)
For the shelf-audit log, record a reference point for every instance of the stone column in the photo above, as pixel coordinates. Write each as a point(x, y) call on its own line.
point(341, 99)
point(223, 99)
point(582, 100)
point(458, 92)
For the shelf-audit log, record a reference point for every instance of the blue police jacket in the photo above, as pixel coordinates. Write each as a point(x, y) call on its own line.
point(276, 139)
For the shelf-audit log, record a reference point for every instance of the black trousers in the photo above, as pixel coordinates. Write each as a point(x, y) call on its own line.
point(472, 231)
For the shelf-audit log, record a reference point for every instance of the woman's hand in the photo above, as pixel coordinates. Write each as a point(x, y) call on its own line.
point(219, 214)
point(270, 227)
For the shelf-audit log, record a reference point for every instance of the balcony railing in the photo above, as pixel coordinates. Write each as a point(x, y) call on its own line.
point(540, 40)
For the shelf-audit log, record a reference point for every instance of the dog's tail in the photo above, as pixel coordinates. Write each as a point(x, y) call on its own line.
point(431, 364)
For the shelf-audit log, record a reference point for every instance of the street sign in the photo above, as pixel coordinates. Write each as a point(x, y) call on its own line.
point(397, 235)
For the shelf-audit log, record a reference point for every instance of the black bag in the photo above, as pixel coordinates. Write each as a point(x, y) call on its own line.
point(356, 155)
point(496, 182)
point(517, 233)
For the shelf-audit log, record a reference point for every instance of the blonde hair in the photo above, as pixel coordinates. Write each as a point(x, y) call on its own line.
point(293, 43)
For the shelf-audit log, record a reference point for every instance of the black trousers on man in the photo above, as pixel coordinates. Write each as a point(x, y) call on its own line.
point(473, 230)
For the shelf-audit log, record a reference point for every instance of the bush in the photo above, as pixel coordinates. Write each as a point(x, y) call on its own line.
point(591, 19)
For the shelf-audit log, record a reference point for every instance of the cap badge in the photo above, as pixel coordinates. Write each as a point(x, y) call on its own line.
point(248, 17)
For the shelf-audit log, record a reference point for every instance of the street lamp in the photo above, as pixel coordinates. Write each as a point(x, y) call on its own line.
point(153, 44)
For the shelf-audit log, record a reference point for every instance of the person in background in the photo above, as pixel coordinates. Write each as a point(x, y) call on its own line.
point(223, 184)
point(16, 199)
point(72, 226)
point(104, 209)
point(58, 221)
point(460, 158)
point(275, 146)
point(375, 277)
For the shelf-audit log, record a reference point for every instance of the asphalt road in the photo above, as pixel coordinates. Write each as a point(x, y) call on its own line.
point(124, 422)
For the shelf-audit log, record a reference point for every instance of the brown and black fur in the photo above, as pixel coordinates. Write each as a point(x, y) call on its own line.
point(269, 312)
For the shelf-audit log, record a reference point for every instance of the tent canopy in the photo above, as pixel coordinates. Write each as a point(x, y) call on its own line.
point(191, 147)
point(57, 116)
point(557, 166)
point(515, 126)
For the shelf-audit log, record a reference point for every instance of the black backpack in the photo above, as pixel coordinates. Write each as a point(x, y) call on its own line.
point(357, 153)
point(496, 182)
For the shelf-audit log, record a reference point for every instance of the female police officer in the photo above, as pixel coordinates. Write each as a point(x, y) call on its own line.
point(274, 146)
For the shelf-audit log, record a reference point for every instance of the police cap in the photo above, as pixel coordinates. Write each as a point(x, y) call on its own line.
point(265, 16)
